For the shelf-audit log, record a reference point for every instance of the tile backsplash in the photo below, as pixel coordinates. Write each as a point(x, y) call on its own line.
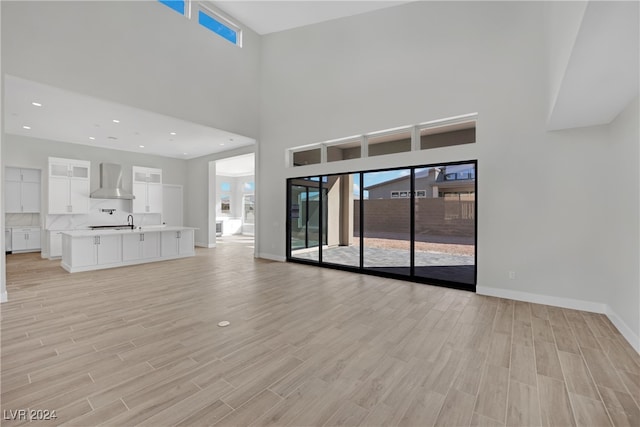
point(22, 219)
point(97, 217)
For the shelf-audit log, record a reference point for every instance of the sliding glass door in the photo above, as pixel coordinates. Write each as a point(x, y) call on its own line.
point(445, 227)
point(386, 209)
point(307, 218)
point(415, 223)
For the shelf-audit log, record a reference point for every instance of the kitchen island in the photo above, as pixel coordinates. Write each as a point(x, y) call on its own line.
point(84, 250)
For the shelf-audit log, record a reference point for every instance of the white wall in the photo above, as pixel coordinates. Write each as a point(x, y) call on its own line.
point(3, 258)
point(137, 53)
point(622, 222)
point(540, 194)
point(562, 23)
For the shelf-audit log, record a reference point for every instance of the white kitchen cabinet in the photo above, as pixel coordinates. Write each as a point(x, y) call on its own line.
point(96, 250)
point(147, 189)
point(177, 243)
point(54, 239)
point(85, 250)
point(22, 190)
point(140, 246)
point(25, 239)
point(69, 186)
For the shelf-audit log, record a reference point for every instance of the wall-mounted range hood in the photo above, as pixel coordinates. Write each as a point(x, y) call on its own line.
point(111, 183)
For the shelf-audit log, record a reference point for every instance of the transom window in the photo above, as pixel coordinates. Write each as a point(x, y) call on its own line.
point(207, 18)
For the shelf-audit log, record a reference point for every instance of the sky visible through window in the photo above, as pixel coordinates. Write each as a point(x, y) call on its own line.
point(217, 27)
point(177, 5)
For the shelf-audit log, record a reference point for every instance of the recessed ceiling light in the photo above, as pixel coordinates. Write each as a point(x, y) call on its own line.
point(141, 146)
point(184, 154)
point(92, 138)
point(172, 133)
point(36, 104)
point(116, 121)
point(26, 127)
point(222, 143)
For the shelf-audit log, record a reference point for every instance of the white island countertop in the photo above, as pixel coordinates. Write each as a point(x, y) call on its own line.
point(111, 231)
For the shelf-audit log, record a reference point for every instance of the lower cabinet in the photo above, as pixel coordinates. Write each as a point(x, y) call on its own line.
point(96, 250)
point(55, 244)
point(83, 253)
point(175, 243)
point(140, 246)
point(25, 239)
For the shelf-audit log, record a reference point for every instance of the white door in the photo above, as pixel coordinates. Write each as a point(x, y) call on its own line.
point(140, 202)
point(150, 245)
point(30, 175)
point(172, 203)
point(12, 197)
point(58, 195)
point(154, 198)
point(169, 244)
point(83, 251)
point(130, 247)
point(19, 240)
point(31, 196)
point(33, 241)
point(79, 195)
point(109, 249)
point(12, 174)
point(186, 241)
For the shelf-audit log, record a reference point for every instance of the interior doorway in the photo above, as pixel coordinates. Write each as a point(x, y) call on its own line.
point(235, 200)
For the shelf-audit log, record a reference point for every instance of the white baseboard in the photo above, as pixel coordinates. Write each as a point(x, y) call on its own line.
point(576, 304)
point(624, 329)
point(4, 297)
point(205, 245)
point(272, 257)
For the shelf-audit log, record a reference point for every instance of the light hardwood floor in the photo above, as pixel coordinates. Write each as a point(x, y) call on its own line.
point(306, 346)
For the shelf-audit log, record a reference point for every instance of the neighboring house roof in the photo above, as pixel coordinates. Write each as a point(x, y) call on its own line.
point(422, 174)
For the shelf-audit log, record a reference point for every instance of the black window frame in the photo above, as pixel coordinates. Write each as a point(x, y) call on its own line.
point(361, 269)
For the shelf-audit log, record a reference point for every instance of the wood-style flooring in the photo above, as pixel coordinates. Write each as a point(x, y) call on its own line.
point(306, 346)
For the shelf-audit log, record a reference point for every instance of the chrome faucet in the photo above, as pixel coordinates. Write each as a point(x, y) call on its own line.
point(130, 223)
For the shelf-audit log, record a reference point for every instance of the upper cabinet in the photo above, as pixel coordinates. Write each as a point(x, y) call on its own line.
point(69, 186)
point(147, 189)
point(22, 190)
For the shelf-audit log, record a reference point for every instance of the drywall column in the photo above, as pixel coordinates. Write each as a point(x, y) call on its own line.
point(333, 211)
point(346, 210)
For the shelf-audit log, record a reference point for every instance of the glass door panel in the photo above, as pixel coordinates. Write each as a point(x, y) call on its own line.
point(386, 221)
point(304, 217)
point(445, 223)
point(341, 219)
point(297, 213)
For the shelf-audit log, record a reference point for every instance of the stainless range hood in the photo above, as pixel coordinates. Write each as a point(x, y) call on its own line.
point(111, 183)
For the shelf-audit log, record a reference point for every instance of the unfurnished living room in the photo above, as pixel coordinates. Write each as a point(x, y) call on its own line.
point(320, 213)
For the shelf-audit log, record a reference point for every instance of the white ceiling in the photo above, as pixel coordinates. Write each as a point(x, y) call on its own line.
point(601, 78)
point(265, 16)
point(72, 117)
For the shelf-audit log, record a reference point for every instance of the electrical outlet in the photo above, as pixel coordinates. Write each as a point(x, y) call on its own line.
point(512, 275)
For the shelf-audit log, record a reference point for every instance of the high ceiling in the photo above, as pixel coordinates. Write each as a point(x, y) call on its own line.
point(265, 16)
point(66, 116)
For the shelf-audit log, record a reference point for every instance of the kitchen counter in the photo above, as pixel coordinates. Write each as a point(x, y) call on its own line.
point(85, 250)
point(111, 231)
